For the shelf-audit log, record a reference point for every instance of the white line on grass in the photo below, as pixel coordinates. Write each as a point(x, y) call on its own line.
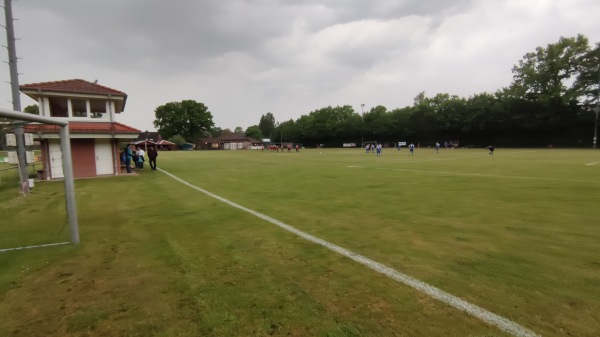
point(409, 160)
point(594, 163)
point(456, 302)
point(485, 175)
point(30, 247)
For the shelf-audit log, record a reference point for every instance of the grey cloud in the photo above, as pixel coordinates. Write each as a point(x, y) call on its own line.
point(245, 58)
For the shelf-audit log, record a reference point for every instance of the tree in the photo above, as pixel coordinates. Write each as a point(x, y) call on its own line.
point(177, 139)
point(551, 82)
point(216, 132)
point(254, 132)
point(378, 124)
point(588, 79)
point(479, 114)
point(187, 118)
point(267, 124)
point(33, 109)
point(545, 75)
point(400, 119)
point(288, 131)
point(346, 124)
point(420, 98)
point(238, 129)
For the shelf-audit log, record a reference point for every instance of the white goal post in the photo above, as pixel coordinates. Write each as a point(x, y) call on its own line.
point(65, 144)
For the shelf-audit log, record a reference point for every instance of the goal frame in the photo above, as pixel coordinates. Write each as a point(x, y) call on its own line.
point(67, 162)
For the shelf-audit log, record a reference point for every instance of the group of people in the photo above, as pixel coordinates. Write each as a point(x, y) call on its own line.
point(137, 154)
point(411, 148)
point(373, 148)
point(276, 148)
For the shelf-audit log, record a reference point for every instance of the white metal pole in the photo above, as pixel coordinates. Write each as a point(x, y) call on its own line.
point(16, 98)
point(597, 110)
point(65, 144)
point(362, 119)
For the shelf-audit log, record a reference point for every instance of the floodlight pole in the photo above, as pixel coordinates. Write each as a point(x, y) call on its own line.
point(362, 119)
point(597, 110)
point(16, 98)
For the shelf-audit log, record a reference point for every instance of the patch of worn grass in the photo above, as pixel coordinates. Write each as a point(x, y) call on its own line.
point(513, 233)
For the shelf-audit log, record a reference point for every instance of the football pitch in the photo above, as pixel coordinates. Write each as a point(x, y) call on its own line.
point(316, 243)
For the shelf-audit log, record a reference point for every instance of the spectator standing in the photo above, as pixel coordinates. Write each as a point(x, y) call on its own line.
point(140, 158)
point(128, 154)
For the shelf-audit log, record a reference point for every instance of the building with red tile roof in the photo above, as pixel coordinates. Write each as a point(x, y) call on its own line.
point(96, 136)
point(86, 128)
point(148, 138)
point(229, 141)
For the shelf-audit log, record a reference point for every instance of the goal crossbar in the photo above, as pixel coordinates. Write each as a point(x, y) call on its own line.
point(65, 144)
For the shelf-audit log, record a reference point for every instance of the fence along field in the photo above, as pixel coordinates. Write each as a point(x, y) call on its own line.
point(513, 233)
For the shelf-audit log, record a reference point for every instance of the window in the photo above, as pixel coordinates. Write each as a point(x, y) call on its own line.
point(97, 108)
point(58, 107)
point(79, 107)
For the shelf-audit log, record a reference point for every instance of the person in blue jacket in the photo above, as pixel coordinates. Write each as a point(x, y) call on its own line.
point(128, 155)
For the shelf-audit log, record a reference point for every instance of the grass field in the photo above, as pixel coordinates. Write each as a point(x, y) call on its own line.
point(516, 233)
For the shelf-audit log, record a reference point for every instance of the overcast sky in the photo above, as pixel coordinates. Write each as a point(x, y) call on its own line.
point(245, 58)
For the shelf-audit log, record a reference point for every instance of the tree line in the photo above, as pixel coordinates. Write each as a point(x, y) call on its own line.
point(552, 101)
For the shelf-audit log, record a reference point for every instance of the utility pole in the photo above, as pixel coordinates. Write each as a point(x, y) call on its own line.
point(597, 110)
point(362, 119)
point(16, 98)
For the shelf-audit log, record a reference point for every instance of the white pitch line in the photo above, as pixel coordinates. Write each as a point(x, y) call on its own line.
point(30, 247)
point(409, 161)
point(485, 175)
point(436, 293)
point(594, 163)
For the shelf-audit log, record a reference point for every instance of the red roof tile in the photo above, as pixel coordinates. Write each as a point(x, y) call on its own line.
point(84, 127)
point(75, 85)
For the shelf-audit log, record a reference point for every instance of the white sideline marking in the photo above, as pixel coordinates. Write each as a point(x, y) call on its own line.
point(594, 163)
point(456, 302)
point(30, 247)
